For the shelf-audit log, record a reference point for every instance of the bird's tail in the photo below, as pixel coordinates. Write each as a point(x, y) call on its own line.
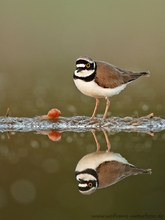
point(144, 73)
point(134, 75)
point(147, 171)
point(137, 171)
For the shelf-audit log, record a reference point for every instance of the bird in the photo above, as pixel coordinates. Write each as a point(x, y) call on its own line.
point(101, 169)
point(99, 79)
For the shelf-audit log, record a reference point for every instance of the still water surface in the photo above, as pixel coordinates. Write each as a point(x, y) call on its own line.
point(38, 177)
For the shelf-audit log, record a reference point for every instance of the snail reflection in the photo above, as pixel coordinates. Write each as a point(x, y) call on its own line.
point(101, 169)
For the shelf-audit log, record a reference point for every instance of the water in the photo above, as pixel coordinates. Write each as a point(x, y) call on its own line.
point(38, 177)
point(40, 42)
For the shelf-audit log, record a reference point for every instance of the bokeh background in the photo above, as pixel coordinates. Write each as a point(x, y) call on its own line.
point(39, 43)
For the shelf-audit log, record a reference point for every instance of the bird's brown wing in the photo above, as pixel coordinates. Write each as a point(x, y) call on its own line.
point(111, 172)
point(109, 76)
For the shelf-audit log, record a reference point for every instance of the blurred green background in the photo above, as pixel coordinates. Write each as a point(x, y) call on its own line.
point(39, 43)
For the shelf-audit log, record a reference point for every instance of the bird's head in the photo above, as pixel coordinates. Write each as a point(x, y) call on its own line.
point(87, 181)
point(84, 67)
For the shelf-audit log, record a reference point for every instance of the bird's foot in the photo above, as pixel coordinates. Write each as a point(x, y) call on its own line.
point(90, 121)
point(84, 121)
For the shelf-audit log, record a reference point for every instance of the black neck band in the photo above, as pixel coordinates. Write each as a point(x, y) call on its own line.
point(87, 78)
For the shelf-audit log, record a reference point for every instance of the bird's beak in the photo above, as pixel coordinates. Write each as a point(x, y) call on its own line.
point(78, 69)
point(81, 181)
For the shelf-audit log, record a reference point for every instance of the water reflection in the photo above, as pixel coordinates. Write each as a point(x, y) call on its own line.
point(96, 170)
point(101, 169)
point(23, 191)
point(53, 135)
point(106, 138)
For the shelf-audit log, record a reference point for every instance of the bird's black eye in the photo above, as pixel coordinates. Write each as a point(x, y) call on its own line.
point(90, 184)
point(88, 65)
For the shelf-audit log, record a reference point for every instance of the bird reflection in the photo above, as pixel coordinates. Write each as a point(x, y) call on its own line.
point(106, 138)
point(101, 169)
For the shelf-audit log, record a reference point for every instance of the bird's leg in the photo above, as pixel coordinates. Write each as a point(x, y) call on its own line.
point(96, 140)
point(95, 109)
point(107, 107)
point(107, 140)
point(91, 119)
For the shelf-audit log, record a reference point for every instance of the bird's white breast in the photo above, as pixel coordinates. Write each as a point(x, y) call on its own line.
point(94, 90)
point(93, 160)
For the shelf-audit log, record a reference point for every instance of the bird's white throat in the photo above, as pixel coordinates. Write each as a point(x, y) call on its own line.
point(85, 177)
point(83, 73)
point(93, 160)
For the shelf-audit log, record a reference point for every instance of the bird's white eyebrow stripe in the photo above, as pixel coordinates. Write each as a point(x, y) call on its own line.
point(80, 65)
